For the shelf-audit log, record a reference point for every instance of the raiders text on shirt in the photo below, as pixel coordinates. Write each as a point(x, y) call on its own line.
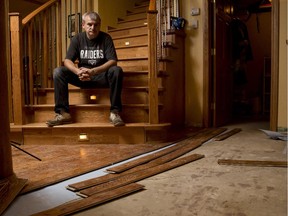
point(91, 54)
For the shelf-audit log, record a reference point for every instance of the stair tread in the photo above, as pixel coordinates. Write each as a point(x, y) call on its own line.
point(129, 36)
point(91, 125)
point(131, 46)
point(126, 28)
point(84, 105)
point(74, 88)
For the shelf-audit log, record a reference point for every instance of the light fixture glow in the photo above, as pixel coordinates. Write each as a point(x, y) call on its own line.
point(93, 97)
point(83, 137)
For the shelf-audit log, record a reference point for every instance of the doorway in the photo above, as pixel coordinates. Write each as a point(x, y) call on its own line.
point(238, 79)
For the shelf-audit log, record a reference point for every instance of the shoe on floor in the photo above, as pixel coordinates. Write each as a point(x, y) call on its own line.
point(63, 118)
point(115, 119)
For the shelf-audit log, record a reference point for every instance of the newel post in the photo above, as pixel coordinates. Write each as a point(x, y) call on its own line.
point(6, 169)
point(152, 63)
point(16, 68)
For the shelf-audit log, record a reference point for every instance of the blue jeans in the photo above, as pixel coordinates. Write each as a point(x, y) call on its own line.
point(110, 79)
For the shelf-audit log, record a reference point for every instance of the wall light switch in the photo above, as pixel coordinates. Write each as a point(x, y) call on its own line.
point(195, 11)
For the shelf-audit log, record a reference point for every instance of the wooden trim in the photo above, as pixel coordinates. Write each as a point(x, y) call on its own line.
point(206, 65)
point(37, 11)
point(274, 66)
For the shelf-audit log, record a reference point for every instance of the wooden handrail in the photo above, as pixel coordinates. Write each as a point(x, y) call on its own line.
point(37, 11)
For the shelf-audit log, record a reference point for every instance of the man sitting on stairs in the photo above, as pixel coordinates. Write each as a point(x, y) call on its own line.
point(97, 67)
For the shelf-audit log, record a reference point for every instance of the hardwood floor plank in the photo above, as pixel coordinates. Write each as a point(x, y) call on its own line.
point(134, 177)
point(253, 163)
point(227, 134)
point(81, 204)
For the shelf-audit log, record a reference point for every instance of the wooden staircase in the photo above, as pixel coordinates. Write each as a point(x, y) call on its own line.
point(90, 115)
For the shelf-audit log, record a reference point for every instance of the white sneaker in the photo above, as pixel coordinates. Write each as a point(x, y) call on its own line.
point(115, 119)
point(63, 118)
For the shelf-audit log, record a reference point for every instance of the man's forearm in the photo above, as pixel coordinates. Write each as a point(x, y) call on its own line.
point(71, 66)
point(104, 67)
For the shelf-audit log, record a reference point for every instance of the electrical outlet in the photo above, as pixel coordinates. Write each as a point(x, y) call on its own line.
point(194, 24)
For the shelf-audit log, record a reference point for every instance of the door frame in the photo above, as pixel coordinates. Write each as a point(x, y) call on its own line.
point(207, 68)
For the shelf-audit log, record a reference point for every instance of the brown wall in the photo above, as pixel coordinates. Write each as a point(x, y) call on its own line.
point(22, 7)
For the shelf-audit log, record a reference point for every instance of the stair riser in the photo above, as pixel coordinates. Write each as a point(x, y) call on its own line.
point(137, 65)
point(104, 135)
point(135, 80)
point(126, 24)
point(70, 136)
point(142, 9)
point(132, 41)
point(102, 97)
point(129, 32)
point(141, 4)
point(91, 115)
point(135, 16)
point(132, 52)
point(129, 24)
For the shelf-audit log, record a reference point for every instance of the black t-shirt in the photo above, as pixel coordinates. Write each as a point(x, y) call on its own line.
point(91, 53)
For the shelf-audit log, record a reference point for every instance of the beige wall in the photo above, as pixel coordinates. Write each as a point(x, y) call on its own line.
point(283, 70)
point(194, 63)
point(110, 11)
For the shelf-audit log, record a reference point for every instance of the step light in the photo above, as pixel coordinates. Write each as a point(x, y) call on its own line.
point(83, 137)
point(127, 43)
point(93, 97)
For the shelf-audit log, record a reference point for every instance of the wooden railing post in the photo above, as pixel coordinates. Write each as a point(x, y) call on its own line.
point(152, 63)
point(6, 169)
point(16, 68)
